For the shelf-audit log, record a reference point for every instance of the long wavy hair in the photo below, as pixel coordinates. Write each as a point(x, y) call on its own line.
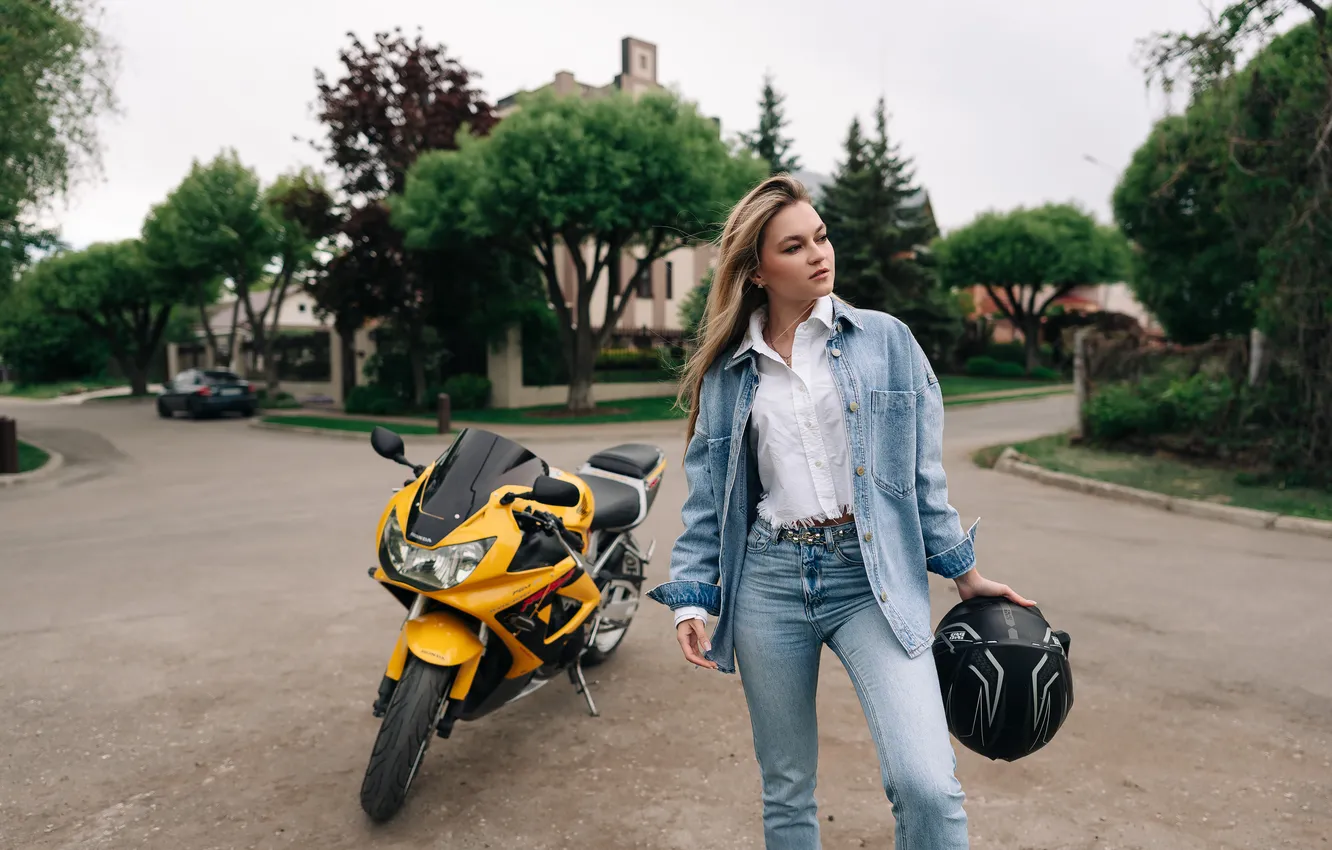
point(734, 295)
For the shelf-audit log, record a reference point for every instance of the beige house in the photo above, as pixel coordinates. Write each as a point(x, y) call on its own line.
point(312, 370)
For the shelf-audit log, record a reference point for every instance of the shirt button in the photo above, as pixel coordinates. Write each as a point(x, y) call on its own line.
point(854, 407)
point(837, 352)
point(869, 535)
point(883, 596)
point(819, 464)
point(860, 470)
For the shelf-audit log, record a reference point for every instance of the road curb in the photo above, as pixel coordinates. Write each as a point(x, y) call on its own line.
point(307, 429)
point(1012, 462)
point(333, 433)
point(54, 462)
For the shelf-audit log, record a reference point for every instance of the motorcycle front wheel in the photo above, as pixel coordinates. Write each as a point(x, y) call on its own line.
point(409, 724)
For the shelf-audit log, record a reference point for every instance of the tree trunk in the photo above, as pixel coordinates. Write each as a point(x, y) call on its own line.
point(581, 371)
point(138, 376)
point(271, 380)
point(1032, 342)
point(418, 375)
point(210, 338)
point(231, 339)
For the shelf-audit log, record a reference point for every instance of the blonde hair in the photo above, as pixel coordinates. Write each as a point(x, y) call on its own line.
point(734, 296)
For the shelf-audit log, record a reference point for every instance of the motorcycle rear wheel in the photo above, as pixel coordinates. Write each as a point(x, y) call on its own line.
point(409, 724)
point(625, 595)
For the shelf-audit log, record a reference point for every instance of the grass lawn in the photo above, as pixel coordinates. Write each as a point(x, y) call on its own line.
point(339, 423)
point(31, 457)
point(952, 385)
point(1169, 475)
point(662, 408)
point(55, 390)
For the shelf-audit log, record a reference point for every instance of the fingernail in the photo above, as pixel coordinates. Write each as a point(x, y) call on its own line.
point(708, 647)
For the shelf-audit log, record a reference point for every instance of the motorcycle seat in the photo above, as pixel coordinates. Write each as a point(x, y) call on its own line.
point(614, 504)
point(633, 459)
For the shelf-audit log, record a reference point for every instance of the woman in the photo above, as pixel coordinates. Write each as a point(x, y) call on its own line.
point(817, 504)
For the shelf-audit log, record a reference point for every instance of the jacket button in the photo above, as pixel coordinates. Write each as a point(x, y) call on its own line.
point(869, 535)
point(883, 596)
point(854, 406)
point(860, 470)
point(837, 352)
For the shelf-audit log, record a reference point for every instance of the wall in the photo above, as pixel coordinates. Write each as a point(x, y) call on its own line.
point(505, 371)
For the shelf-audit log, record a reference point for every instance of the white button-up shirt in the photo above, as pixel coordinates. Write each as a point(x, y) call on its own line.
point(799, 429)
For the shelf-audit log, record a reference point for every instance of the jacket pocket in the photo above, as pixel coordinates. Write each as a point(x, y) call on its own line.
point(893, 441)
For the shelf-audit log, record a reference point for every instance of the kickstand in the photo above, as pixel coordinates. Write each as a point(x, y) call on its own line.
point(580, 685)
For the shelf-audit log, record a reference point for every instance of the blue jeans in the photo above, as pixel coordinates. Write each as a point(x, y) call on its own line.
point(793, 598)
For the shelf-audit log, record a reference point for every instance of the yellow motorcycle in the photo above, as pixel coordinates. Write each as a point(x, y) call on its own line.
point(512, 572)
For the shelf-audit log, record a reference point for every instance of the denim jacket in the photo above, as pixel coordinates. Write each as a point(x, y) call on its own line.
point(894, 421)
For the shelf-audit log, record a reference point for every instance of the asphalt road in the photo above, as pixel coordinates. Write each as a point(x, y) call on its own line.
point(189, 647)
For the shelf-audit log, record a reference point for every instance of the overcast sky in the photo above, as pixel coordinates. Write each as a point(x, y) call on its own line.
point(1000, 104)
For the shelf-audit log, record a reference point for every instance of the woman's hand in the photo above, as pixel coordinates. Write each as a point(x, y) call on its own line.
point(971, 584)
point(693, 638)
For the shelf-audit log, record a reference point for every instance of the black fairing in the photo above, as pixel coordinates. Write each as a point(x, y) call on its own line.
point(478, 463)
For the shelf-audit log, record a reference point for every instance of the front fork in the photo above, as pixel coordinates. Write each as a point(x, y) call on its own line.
point(436, 638)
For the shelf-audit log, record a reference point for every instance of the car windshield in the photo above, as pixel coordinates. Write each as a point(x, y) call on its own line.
point(478, 463)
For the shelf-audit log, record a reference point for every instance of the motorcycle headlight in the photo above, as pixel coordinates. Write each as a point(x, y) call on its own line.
point(438, 569)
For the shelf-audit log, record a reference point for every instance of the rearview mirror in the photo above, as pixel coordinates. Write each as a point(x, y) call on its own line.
point(387, 444)
point(553, 491)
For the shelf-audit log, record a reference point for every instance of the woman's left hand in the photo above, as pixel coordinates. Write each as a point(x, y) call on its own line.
point(972, 583)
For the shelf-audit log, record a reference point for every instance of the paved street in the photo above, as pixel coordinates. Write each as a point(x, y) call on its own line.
point(189, 647)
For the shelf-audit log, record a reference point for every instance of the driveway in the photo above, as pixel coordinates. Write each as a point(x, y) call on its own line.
point(189, 647)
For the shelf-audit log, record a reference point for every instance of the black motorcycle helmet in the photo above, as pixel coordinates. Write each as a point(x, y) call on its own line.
point(1007, 686)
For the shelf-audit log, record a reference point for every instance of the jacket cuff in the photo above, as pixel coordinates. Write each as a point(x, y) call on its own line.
point(677, 594)
point(953, 562)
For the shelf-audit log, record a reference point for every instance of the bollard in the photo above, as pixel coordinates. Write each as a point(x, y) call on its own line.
point(9, 462)
point(445, 414)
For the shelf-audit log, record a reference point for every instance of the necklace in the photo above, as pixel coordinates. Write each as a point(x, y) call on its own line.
point(771, 340)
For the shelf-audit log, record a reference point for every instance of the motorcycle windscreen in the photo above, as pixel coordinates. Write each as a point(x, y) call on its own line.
point(478, 463)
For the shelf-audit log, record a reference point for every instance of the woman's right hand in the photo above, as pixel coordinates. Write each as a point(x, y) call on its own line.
point(693, 638)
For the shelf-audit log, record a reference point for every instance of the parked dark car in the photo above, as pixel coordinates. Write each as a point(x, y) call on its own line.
point(206, 392)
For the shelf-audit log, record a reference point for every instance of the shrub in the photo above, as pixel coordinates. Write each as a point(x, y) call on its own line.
point(280, 401)
point(1118, 412)
point(376, 400)
point(1007, 352)
point(1044, 373)
point(983, 366)
point(1011, 370)
point(467, 392)
point(1200, 404)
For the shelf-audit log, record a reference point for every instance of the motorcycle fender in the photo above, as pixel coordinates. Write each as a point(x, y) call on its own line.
point(440, 638)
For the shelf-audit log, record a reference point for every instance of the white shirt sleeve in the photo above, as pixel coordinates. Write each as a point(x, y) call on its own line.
point(687, 612)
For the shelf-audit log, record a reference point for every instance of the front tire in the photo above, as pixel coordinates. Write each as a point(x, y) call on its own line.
point(409, 724)
point(162, 410)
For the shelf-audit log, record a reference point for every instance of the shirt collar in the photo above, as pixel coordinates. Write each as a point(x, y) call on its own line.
point(823, 312)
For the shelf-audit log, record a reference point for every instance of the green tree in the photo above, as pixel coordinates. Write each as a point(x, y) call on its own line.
point(1277, 194)
point(45, 346)
point(396, 99)
point(223, 227)
point(613, 184)
point(56, 81)
point(767, 142)
point(111, 288)
point(694, 306)
point(1190, 266)
point(1028, 258)
point(881, 231)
